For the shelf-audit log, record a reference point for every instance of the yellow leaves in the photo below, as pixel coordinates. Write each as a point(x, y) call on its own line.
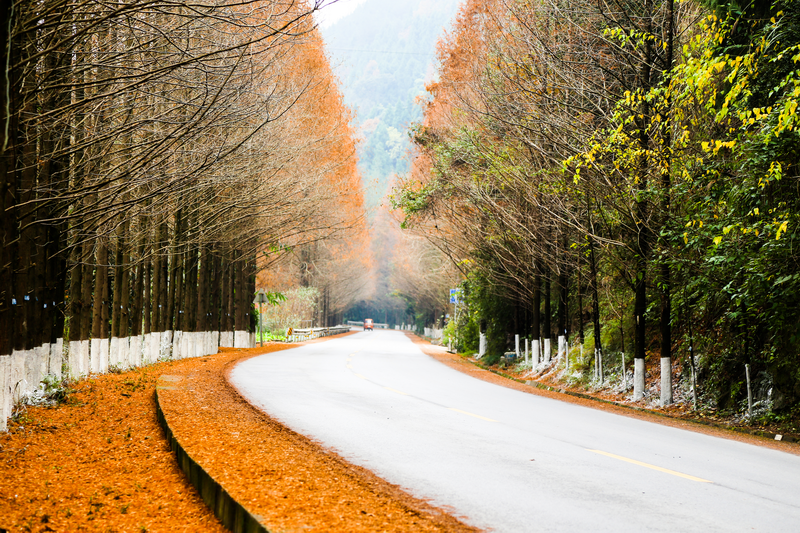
point(717, 240)
point(685, 238)
point(714, 147)
point(782, 229)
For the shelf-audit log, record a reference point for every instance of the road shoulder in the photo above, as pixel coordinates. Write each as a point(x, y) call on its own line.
point(468, 366)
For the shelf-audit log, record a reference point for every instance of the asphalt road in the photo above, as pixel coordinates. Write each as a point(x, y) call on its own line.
point(511, 461)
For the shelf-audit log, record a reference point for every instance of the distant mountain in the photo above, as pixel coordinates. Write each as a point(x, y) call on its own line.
point(384, 53)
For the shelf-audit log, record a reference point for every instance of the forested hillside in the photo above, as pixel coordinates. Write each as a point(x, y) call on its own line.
point(384, 54)
point(623, 177)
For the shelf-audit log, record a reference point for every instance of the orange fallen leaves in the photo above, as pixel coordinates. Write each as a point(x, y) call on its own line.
point(290, 481)
point(100, 462)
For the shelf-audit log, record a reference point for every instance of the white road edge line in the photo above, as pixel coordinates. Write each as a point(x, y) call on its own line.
point(653, 467)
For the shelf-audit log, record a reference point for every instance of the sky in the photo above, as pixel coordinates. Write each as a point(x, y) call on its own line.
point(333, 10)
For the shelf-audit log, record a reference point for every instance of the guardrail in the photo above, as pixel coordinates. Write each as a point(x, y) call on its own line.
point(307, 334)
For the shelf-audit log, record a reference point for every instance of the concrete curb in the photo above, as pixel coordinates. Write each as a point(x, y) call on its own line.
point(532, 383)
point(231, 513)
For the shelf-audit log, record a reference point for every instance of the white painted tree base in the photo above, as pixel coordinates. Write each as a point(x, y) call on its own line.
point(536, 352)
point(125, 352)
point(5, 391)
point(155, 346)
point(546, 352)
point(113, 354)
point(482, 345)
point(193, 350)
point(226, 339)
point(94, 356)
point(56, 358)
point(241, 339)
point(43, 355)
point(166, 344)
point(185, 344)
point(215, 335)
point(177, 339)
point(19, 385)
point(85, 352)
point(17, 375)
point(666, 381)
point(202, 343)
point(638, 379)
point(74, 359)
point(562, 347)
point(105, 348)
point(33, 369)
point(136, 350)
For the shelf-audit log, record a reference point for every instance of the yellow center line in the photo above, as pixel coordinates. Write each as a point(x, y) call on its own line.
point(349, 366)
point(395, 390)
point(653, 467)
point(471, 414)
point(359, 376)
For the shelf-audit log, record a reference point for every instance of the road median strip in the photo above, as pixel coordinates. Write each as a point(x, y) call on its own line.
point(652, 467)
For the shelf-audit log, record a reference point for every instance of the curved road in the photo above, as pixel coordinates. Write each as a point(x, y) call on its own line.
point(509, 461)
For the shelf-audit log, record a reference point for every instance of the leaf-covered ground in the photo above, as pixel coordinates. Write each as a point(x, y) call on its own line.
point(294, 484)
point(100, 462)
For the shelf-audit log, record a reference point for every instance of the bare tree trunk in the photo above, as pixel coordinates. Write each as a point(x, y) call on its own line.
point(563, 313)
point(99, 345)
point(666, 279)
point(201, 320)
point(216, 297)
point(643, 234)
point(537, 310)
point(6, 192)
point(138, 287)
point(158, 280)
point(547, 326)
point(240, 326)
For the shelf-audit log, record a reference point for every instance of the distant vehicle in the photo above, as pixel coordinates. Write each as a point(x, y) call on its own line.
point(368, 324)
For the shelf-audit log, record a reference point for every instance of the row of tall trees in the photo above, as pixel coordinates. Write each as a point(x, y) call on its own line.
point(155, 157)
point(332, 256)
point(625, 170)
